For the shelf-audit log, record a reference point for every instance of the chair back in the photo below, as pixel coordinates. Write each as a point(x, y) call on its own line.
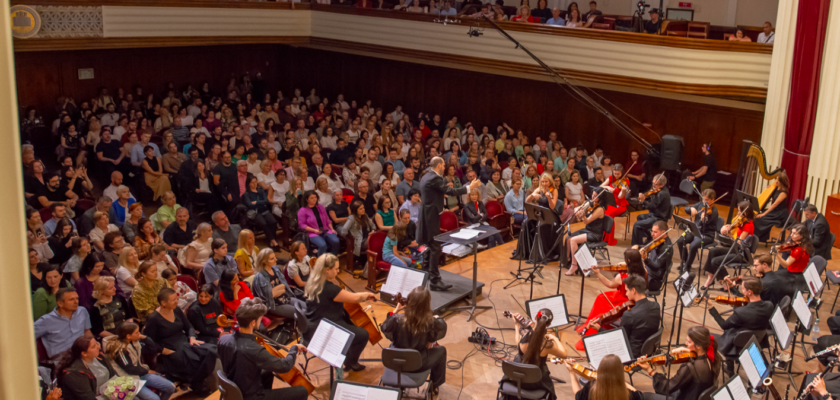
point(189, 281)
point(375, 243)
point(84, 204)
point(448, 221)
point(347, 194)
point(720, 223)
point(493, 208)
point(301, 322)
point(228, 389)
point(609, 225)
point(819, 263)
point(742, 337)
point(521, 373)
point(652, 343)
point(46, 214)
point(831, 238)
point(401, 360)
point(603, 26)
point(687, 186)
point(698, 30)
point(707, 394)
point(784, 305)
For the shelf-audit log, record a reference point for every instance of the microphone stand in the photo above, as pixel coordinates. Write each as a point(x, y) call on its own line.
point(682, 289)
point(566, 228)
point(722, 264)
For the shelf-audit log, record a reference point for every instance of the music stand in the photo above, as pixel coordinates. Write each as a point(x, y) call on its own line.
point(741, 196)
point(754, 364)
point(485, 232)
point(347, 390)
point(543, 216)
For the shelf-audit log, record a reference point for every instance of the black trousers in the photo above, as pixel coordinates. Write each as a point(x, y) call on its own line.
point(435, 251)
point(717, 256)
point(436, 361)
point(641, 229)
point(688, 251)
point(289, 393)
point(360, 341)
point(266, 222)
point(282, 311)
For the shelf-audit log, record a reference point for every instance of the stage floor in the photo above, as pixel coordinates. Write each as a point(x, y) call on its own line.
point(481, 373)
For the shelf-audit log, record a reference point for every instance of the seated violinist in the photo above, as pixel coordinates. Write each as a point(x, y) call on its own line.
point(705, 216)
point(593, 232)
point(652, 253)
point(620, 189)
point(610, 384)
point(753, 316)
point(605, 302)
point(743, 226)
point(418, 329)
point(658, 203)
point(694, 376)
point(801, 249)
point(774, 285)
point(546, 196)
point(640, 321)
point(250, 365)
point(535, 345)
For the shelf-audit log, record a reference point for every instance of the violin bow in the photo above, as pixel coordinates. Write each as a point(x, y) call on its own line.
point(608, 299)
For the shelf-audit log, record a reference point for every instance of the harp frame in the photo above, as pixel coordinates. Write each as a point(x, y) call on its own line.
point(747, 178)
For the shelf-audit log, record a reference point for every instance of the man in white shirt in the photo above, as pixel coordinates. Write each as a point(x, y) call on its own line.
point(355, 131)
point(768, 36)
point(199, 129)
point(137, 154)
point(301, 133)
point(598, 156)
point(194, 109)
point(340, 100)
point(116, 181)
point(397, 115)
point(374, 166)
point(110, 118)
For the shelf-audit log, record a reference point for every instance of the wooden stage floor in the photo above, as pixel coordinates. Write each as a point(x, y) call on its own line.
point(480, 374)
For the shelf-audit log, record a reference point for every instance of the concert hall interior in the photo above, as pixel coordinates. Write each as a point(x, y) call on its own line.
point(516, 199)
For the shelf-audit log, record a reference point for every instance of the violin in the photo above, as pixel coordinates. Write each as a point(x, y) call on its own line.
point(736, 224)
point(227, 325)
point(788, 246)
point(586, 372)
point(662, 359)
point(652, 192)
point(644, 251)
point(295, 376)
point(623, 183)
point(522, 321)
point(732, 301)
point(609, 316)
point(613, 268)
point(361, 319)
point(595, 203)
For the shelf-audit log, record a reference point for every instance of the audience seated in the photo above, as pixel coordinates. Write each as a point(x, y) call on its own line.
point(59, 328)
point(43, 300)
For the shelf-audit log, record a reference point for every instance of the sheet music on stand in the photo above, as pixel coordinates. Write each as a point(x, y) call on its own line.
point(780, 326)
point(605, 343)
point(753, 363)
point(687, 296)
point(585, 259)
point(466, 234)
point(733, 390)
point(802, 310)
point(346, 390)
point(330, 343)
point(812, 278)
point(557, 305)
point(403, 280)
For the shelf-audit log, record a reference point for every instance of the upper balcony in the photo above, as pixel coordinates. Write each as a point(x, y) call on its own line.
point(602, 58)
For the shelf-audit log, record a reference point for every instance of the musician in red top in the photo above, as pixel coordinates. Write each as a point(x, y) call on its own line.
point(717, 254)
point(800, 254)
point(620, 188)
point(605, 301)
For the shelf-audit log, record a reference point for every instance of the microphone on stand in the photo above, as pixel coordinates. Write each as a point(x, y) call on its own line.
point(688, 282)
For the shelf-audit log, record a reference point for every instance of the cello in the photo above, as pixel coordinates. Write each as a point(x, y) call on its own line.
point(295, 377)
point(360, 318)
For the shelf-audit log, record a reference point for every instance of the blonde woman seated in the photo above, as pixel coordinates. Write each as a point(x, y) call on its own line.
point(195, 255)
point(102, 227)
point(387, 189)
point(246, 255)
point(270, 285)
point(322, 187)
point(149, 283)
point(129, 264)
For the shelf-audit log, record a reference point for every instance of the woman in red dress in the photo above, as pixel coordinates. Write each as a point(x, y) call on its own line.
point(620, 188)
point(614, 298)
point(799, 257)
point(231, 293)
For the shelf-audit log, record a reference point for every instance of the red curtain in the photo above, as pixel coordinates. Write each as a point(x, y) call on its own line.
point(804, 91)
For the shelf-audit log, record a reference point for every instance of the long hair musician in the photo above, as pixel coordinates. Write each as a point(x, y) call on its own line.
point(594, 231)
point(743, 227)
point(416, 328)
point(546, 196)
point(694, 376)
point(535, 345)
point(610, 384)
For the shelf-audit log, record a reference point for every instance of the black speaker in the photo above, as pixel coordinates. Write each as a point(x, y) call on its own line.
point(672, 147)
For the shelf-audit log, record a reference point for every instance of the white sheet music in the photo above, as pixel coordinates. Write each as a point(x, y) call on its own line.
point(749, 368)
point(557, 305)
point(780, 326)
point(585, 259)
point(723, 394)
point(465, 234)
point(346, 391)
point(328, 343)
point(737, 389)
point(802, 310)
point(602, 345)
point(402, 280)
point(813, 279)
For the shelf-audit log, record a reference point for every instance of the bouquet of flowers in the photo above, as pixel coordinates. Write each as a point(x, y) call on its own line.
point(120, 388)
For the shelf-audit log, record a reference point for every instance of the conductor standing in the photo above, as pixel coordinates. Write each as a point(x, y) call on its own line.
point(432, 189)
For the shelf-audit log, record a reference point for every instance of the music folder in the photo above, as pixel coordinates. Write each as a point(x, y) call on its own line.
point(780, 327)
point(585, 259)
point(402, 280)
point(331, 343)
point(812, 278)
point(557, 305)
point(604, 343)
point(733, 390)
point(346, 390)
point(802, 311)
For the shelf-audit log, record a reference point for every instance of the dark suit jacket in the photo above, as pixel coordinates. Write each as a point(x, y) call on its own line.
point(432, 189)
point(473, 214)
point(820, 235)
point(231, 186)
point(659, 205)
point(640, 322)
point(753, 316)
point(313, 172)
point(657, 266)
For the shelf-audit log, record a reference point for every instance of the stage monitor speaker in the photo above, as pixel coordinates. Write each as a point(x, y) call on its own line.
point(672, 147)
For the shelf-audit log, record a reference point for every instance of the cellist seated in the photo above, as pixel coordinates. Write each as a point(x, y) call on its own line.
point(639, 322)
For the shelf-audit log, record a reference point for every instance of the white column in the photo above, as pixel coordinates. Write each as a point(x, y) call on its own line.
point(778, 88)
point(18, 366)
point(824, 167)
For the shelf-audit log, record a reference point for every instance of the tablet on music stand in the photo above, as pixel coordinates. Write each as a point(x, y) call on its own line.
point(753, 362)
point(604, 343)
point(733, 390)
point(781, 329)
point(557, 305)
point(330, 343)
point(346, 390)
point(802, 311)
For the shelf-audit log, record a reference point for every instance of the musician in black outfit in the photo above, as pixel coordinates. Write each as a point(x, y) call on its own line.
point(593, 232)
point(659, 209)
point(656, 262)
point(642, 320)
point(774, 285)
point(418, 329)
point(546, 196)
point(775, 210)
point(693, 377)
point(249, 365)
point(535, 345)
point(819, 231)
point(705, 216)
point(753, 316)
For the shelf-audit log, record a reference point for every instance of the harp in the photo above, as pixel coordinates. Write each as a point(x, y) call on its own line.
point(753, 167)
